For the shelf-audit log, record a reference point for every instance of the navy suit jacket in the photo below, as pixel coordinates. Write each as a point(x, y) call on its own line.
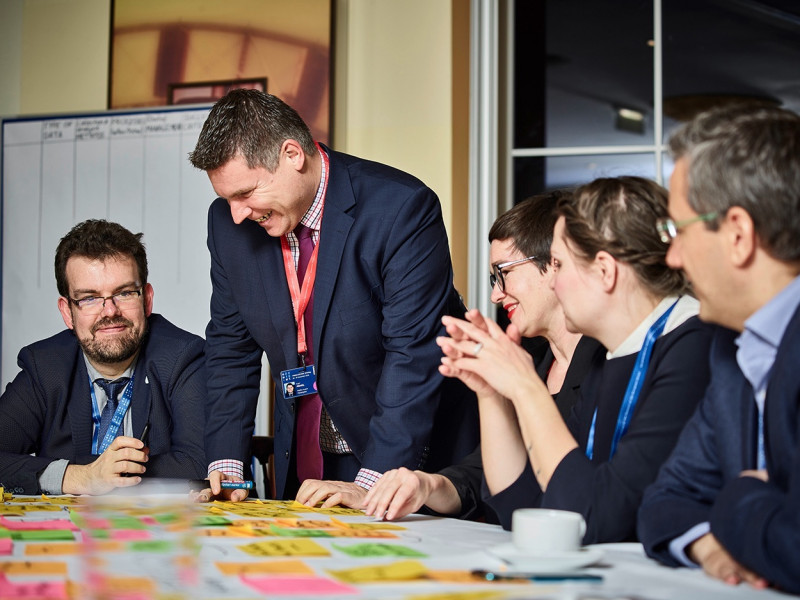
point(757, 522)
point(47, 409)
point(607, 491)
point(384, 280)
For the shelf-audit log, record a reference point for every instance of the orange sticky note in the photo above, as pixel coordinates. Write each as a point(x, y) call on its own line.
point(292, 567)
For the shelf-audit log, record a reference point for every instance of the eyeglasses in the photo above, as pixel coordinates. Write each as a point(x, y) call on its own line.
point(92, 305)
point(498, 277)
point(668, 229)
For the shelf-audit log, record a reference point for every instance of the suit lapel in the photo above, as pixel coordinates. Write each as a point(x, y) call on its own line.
point(276, 294)
point(141, 399)
point(336, 225)
point(80, 409)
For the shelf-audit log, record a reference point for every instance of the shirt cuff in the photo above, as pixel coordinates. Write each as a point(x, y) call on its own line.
point(233, 468)
point(367, 478)
point(53, 476)
point(677, 547)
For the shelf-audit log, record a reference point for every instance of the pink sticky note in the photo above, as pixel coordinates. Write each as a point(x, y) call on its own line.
point(288, 586)
point(6, 545)
point(37, 525)
point(53, 590)
point(130, 535)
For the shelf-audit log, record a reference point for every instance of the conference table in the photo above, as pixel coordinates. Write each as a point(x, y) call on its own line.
point(57, 547)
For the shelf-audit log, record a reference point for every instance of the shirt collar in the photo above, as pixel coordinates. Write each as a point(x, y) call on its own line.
point(686, 308)
point(763, 332)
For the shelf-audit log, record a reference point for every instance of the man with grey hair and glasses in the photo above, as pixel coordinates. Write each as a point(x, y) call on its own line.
point(117, 396)
point(727, 499)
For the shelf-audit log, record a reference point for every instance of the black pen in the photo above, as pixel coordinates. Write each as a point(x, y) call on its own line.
point(542, 577)
point(145, 433)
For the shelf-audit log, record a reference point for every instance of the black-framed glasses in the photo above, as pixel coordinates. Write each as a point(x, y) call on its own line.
point(668, 229)
point(92, 305)
point(498, 275)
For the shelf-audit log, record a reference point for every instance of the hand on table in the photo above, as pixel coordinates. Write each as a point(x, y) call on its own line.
point(124, 455)
point(333, 493)
point(214, 490)
point(398, 493)
point(717, 562)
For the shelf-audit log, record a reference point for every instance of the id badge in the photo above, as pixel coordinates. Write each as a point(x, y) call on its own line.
point(301, 381)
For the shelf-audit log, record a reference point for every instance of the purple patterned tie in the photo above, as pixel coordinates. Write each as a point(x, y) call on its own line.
point(309, 455)
point(112, 390)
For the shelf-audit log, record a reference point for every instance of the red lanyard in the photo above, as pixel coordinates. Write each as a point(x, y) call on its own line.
point(301, 297)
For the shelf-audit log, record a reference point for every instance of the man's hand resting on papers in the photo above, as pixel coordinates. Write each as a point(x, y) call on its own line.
point(707, 552)
point(214, 490)
point(124, 455)
point(333, 493)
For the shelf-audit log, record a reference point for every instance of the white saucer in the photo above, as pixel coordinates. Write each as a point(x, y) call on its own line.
point(555, 561)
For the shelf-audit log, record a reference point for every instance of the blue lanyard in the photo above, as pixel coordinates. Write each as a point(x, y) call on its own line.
point(116, 420)
point(634, 386)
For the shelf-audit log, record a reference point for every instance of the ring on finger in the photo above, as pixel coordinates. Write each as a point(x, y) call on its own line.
point(477, 349)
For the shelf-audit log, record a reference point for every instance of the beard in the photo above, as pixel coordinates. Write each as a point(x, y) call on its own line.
point(117, 350)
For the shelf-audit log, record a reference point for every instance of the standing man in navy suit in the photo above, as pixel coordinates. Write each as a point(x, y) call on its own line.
point(727, 499)
point(120, 392)
point(339, 269)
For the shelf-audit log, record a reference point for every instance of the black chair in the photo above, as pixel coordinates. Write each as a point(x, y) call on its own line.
point(262, 448)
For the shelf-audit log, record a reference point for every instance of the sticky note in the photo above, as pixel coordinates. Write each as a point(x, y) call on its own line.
point(285, 547)
point(377, 549)
point(33, 568)
point(41, 535)
point(267, 567)
point(406, 570)
point(6, 546)
point(295, 586)
point(50, 524)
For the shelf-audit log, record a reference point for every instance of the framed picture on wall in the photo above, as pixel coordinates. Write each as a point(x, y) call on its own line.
point(210, 91)
point(181, 51)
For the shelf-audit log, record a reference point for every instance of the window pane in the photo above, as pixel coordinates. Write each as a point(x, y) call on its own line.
point(717, 52)
point(534, 175)
point(576, 64)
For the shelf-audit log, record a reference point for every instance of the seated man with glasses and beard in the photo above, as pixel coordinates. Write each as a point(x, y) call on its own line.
point(117, 396)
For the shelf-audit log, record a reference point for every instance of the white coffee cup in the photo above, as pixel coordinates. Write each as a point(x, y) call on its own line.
point(538, 531)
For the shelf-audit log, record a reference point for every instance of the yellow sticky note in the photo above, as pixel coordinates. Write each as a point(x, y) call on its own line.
point(382, 525)
point(63, 500)
point(292, 567)
point(33, 568)
point(52, 549)
point(487, 595)
point(285, 547)
point(232, 532)
point(361, 533)
point(404, 570)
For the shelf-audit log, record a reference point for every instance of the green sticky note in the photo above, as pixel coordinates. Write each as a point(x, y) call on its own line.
point(378, 549)
point(151, 546)
point(211, 521)
point(42, 535)
point(297, 533)
point(4, 533)
point(123, 522)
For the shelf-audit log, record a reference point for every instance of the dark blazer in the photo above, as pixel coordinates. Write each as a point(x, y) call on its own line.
point(384, 280)
point(47, 409)
point(608, 492)
point(467, 475)
point(757, 522)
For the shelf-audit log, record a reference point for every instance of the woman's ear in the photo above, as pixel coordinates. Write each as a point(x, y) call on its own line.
point(607, 269)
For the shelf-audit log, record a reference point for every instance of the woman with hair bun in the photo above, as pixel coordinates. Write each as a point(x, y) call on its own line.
point(612, 281)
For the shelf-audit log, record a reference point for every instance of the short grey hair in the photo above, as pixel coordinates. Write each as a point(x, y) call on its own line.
point(748, 157)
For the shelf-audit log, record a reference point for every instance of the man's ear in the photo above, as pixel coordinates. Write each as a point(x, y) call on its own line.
point(148, 299)
point(740, 235)
point(608, 270)
point(66, 313)
point(292, 151)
